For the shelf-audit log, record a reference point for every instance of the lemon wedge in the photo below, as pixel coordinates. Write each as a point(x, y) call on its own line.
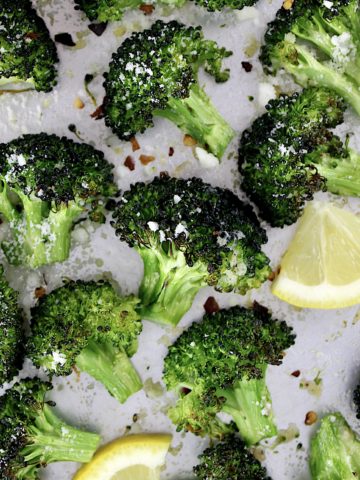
point(321, 268)
point(136, 457)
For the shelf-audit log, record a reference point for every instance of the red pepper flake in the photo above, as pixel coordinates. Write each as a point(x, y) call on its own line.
point(310, 418)
point(211, 306)
point(272, 276)
point(247, 66)
point(31, 36)
point(171, 151)
point(40, 292)
point(129, 163)
point(134, 144)
point(296, 373)
point(147, 9)
point(146, 159)
point(189, 141)
point(99, 113)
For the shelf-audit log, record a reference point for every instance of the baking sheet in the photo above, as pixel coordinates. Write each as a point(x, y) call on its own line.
point(327, 343)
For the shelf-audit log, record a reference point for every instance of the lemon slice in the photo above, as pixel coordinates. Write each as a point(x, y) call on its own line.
point(136, 457)
point(321, 268)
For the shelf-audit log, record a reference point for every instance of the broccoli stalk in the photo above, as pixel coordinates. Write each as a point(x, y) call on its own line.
point(334, 450)
point(32, 435)
point(249, 404)
point(318, 45)
point(197, 116)
point(47, 184)
point(219, 365)
point(169, 285)
point(189, 234)
point(156, 72)
point(110, 366)
point(38, 236)
point(97, 338)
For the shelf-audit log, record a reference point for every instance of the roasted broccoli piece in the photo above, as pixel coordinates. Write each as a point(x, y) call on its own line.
point(219, 365)
point(32, 435)
point(12, 336)
point(48, 182)
point(288, 154)
point(319, 44)
point(154, 72)
point(87, 325)
point(107, 10)
point(27, 53)
point(189, 234)
point(229, 460)
point(335, 450)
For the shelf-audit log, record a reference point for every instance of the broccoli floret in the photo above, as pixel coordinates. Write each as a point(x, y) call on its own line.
point(32, 435)
point(288, 154)
point(12, 336)
point(334, 450)
point(107, 10)
point(219, 365)
point(87, 325)
point(28, 55)
point(229, 460)
point(318, 44)
point(154, 72)
point(189, 234)
point(48, 182)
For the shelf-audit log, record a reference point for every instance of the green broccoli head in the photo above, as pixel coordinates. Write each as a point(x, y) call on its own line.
point(334, 450)
point(319, 45)
point(229, 460)
point(217, 5)
point(154, 72)
point(32, 436)
point(28, 55)
point(189, 234)
point(289, 153)
point(12, 332)
point(47, 183)
point(220, 360)
point(87, 325)
point(106, 10)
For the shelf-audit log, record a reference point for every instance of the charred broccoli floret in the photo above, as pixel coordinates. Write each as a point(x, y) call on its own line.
point(289, 153)
point(219, 365)
point(334, 450)
point(12, 336)
point(229, 460)
point(27, 53)
point(47, 183)
point(32, 435)
point(319, 44)
point(154, 73)
point(356, 398)
point(189, 234)
point(90, 326)
point(87, 325)
point(107, 10)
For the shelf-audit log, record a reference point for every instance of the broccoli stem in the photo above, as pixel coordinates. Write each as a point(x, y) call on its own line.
point(307, 67)
point(249, 404)
point(197, 116)
point(342, 174)
point(111, 367)
point(52, 440)
point(169, 285)
point(40, 235)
